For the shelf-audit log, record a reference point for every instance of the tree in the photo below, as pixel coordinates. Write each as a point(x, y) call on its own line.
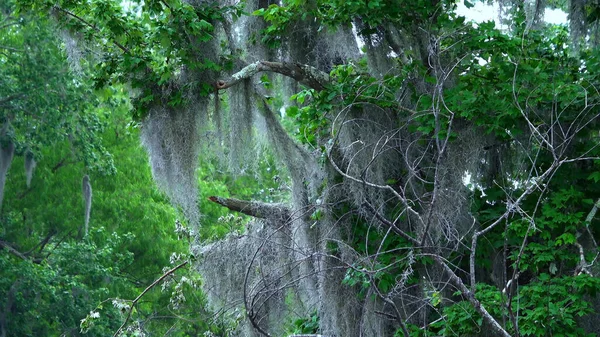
point(382, 233)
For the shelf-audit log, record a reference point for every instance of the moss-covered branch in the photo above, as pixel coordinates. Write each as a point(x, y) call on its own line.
point(304, 74)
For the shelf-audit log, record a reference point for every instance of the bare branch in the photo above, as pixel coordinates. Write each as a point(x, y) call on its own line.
point(254, 208)
point(391, 225)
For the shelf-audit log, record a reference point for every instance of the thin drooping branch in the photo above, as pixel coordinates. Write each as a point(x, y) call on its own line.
point(255, 209)
point(589, 219)
point(583, 265)
point(134, 302)
point(9, 24)
point(304, 74)
point(12, 49)
point(89, 25)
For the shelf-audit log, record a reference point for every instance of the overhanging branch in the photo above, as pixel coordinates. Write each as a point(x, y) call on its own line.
point(304, 74)
point(255, 209)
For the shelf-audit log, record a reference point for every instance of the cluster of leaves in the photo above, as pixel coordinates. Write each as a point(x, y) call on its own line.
point(41, 101)
point(307, 325)
point(145, 43)
point(353, 87)
point(371, 14)
point(550, 306)
point(50, 298)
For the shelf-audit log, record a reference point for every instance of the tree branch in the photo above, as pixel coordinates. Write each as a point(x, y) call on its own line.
point(391, 225)
point(4, 244)
point(305, 74)
point(134, 302)
point(12, 49)
point(11, 250)
point(454, 279)
point(7, 99)
point(255, 209)
point(89, 25)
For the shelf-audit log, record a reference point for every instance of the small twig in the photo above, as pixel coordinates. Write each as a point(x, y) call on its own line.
point(391, 224)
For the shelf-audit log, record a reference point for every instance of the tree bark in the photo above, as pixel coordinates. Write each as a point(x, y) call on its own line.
point(255, 209)
point(304, 74)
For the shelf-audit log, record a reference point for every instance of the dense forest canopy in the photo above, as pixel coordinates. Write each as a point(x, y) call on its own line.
point(342, 168)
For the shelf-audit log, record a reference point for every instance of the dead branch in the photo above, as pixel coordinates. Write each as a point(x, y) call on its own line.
point(255, 209)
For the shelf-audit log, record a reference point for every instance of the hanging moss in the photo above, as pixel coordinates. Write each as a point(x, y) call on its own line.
point(577, 22)
point(30, 165)
point(241, 125)
point(171, 136)
point(86, 190)
point(73, 50)
point(7, 151)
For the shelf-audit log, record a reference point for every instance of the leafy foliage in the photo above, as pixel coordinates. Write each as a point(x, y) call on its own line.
point(380, 208)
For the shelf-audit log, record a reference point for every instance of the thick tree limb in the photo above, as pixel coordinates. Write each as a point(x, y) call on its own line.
point(305, 74)
point(255, 209)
